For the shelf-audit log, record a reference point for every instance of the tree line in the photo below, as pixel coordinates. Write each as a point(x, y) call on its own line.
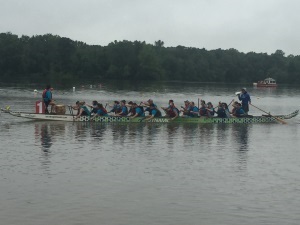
point(54, 59)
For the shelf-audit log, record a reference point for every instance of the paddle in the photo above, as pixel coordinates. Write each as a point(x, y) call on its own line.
point(278, 119)
point(71, 110)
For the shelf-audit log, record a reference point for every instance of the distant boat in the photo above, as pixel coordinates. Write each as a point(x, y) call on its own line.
point(268, 82)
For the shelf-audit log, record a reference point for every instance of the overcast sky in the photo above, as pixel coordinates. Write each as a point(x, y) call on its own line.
point(246, 25)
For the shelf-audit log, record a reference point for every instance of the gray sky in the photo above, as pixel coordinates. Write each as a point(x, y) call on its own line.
point(246, 25)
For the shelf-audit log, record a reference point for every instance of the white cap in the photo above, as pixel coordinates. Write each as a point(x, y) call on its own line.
point(244, 89)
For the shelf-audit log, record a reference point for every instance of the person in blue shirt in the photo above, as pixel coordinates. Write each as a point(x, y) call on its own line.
point(239, 112)
point(124, 110)
point(82, 109)
point(139, 111)
point(194, 110)
point(246, 100)
point(100, 112)
point(154, 112)
point(147, 105)
point(116, 107)
point(94, 107)
point(47, 99)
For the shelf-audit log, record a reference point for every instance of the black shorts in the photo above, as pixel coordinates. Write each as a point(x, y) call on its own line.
point(47, 103)
point(245, 108)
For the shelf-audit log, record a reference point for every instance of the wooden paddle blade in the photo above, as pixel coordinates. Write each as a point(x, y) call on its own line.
point(280, 120)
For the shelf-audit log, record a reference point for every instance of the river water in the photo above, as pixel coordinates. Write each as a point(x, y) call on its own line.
point(118, 174)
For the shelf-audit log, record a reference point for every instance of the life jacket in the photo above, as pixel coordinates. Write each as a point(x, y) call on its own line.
point(126, 111)
point(203, 111)
point(104, 110)
point(132, 111)
point(116, 109)
point(211, 112)
point(171, 112)
point(142, 109)
point(158, 113)
point(195, 112)
point(239, 112)
point(86, 111)
point(221, 113)
point(44, 93)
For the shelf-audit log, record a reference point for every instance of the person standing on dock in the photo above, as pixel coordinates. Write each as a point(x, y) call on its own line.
point(246, 100)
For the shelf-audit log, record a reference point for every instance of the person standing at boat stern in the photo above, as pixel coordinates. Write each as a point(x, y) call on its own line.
point(47, 99)
point(245, 98)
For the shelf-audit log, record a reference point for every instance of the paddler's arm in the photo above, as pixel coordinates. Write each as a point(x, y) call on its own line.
point(134, 116)
point(176, 115)
point(94, 116)
point(79, 114)
point(149, 117)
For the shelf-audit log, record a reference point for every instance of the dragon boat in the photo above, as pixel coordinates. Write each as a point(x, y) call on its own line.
point(115, 119)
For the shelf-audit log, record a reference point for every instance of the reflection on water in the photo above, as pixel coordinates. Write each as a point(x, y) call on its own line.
point(46, 139)
point(241, 136)
point(87, 173)
point(208, 134)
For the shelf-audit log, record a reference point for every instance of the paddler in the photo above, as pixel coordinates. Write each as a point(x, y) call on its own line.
point(94, 107)
point(239, 112)
point(186, 108)
point(100, 112)
point(139, 111)
point(210, 109)
point(82, 109)
point(116, 107)
point(124, 110)
point(203, 108)
point(171, 110)
point(194, 110)
point(154, 112)
point(147, 104)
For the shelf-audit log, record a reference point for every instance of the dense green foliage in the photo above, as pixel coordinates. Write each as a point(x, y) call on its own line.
point(50, 58)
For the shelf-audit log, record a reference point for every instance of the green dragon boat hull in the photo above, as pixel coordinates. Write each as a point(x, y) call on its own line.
point(115, 119)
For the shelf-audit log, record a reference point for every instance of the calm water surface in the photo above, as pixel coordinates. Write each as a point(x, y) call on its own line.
point(83, 173)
